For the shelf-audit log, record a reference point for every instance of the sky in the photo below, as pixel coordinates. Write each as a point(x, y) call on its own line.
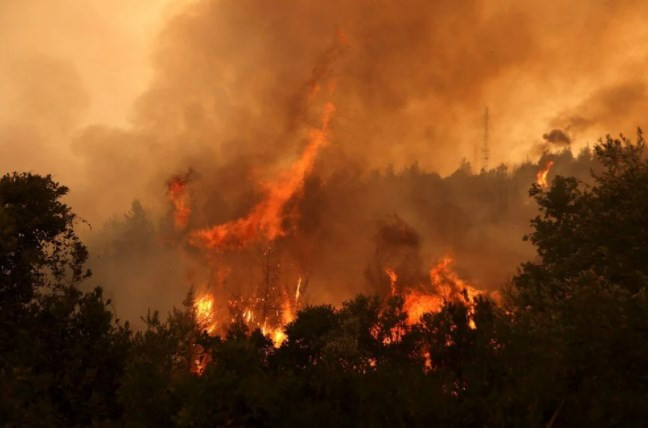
point(154, 87)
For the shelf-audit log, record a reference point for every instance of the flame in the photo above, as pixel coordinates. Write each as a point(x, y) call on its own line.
point(248, 315)
point(446, 285)
point(179, 198)
point(287, 316)
point(416, 304)
point(287, 312)
point(265, 220)
point(274, 330)
point(299, 282)
point(277, 335)
point(541, 176)
point(205, 312)
point(393, 277)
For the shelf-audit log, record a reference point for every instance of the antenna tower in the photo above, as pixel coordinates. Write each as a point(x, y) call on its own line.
point(485, 149)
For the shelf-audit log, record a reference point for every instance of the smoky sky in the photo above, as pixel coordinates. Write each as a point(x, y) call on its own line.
point(115, 98)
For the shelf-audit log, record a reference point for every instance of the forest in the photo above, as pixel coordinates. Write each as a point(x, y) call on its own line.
point(564, 342)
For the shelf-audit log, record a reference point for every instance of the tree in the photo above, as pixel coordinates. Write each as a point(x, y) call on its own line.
point(583, 304)
point(597, 231)
point(61, 353)
point(38, 245)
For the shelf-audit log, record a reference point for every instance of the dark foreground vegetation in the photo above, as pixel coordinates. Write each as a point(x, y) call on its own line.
point(567, 346)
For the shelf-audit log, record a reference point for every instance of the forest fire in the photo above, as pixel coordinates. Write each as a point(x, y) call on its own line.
point(292, 213)
point(271, 304)
point(541, 176)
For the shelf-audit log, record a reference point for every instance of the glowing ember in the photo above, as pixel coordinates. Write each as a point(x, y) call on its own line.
point(200, 360)
point(541, 176)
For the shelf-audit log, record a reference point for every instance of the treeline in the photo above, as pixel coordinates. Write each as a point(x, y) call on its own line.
point(566, 346)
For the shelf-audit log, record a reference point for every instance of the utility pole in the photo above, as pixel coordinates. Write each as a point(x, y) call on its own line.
point(485, 149)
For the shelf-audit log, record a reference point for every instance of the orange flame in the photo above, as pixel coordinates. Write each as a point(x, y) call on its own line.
point(177, 195)
point(447, 282)
point(446, 285)
point(541, 176)
point(265, 220)
point(417, 304)
point(297, 292)
point(393, 277)
point(205, 312)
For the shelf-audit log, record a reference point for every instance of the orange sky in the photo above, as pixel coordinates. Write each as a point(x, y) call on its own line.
point(112, 96)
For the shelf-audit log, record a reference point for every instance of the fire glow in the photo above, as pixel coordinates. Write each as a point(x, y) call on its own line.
point(204, 310)
point(541, 176)
point(265, 220)
point(270, 302)
point(444, 285)
point(179, 198)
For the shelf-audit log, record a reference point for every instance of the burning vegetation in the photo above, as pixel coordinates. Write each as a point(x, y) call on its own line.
point(343, 265)
point(427, 348)
point(541, 176)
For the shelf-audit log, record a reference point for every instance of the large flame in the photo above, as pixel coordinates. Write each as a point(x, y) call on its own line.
point(445, 285)
point(417, 304)
point(265, 221)
point(541, 176)
point(273, 303)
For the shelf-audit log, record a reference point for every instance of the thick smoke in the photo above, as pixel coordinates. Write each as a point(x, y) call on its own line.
point(557, 137)
point(228, 98)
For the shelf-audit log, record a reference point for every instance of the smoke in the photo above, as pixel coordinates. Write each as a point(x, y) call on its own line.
point(227, 93)
point(557, 137)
